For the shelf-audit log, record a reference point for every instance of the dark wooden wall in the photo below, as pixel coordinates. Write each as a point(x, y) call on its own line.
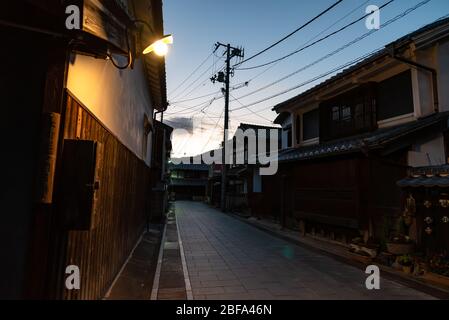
point(122, 208)
point(350, 192)
point(22, 82)
point(327, 187)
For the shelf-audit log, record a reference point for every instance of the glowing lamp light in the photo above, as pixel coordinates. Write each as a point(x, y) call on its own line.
point(160, 47)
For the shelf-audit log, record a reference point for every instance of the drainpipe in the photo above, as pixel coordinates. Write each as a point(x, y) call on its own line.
point(423, 67)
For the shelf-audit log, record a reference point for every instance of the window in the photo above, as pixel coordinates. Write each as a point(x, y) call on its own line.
point(395, 96)
point(350, 113)
point(335, 114)
point(310, 125)
point(346, 114)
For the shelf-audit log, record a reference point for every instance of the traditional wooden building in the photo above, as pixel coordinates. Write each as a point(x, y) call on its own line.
point(244, 179)
point(348, 140)
point(188, 181)
point(78, 133)
point(244, 182)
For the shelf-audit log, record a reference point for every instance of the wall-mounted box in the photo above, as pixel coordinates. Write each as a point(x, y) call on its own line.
point(80, 184)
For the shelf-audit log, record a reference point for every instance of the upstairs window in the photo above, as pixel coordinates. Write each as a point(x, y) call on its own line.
point(395, 96)
point(310, 122)
point(346, 114)
point(351, 113)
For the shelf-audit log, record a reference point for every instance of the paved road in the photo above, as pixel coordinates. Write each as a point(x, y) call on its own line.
point(228, 259)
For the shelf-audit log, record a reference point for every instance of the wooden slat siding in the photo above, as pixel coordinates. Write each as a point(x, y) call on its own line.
point(124, 184)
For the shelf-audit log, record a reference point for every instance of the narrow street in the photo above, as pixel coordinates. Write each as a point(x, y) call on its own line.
point(228, 259)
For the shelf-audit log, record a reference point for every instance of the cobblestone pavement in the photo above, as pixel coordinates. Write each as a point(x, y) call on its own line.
point(228, 259)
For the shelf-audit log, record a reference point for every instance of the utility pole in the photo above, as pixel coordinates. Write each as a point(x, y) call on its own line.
point(230, 52)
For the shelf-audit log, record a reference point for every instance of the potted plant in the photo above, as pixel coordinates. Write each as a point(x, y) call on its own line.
point(439, 263)
point(400, 244)
point(406, 262)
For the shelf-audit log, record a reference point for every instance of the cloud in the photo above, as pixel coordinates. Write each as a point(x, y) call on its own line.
point(181, 123)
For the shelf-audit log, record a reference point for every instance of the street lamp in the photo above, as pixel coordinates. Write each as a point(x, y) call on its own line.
point(160, 47)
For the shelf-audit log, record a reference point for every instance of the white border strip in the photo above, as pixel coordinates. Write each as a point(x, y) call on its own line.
point(184, 265)
point(157, 275)
point(123, 268)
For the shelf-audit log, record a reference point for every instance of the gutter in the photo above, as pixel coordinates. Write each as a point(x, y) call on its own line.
point(162, 113)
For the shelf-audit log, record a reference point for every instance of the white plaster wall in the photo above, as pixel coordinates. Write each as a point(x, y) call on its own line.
point(427, 153)
point(118, 98)
point(426, 102)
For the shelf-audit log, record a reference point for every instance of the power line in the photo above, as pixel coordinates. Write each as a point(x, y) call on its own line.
point(252, 112)
point(403, 14)
point(308, 81)
point(215, 128)
point(317, 41)
point(290, 34)
point(196, 98)
point(198, 86)
point(202, 119)
point(192, 83)
point(352, 42)
point(311, 39)
point(191, 74)
point(193, 108)
point(236, 87)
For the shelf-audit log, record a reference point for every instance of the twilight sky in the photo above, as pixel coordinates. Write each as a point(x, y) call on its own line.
point(255, 24)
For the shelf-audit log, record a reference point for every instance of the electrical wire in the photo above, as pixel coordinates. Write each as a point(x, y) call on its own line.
point(310, 40)
point(259, 74)
point(196, 98)
point(191, 74)
point(291, 34)
point(194, 108)
point(198, 86)
point(352, 42)
point(403, 14)
point(252, 112)
point(236, 87)
point(210, 136)
point(317, 41)
point(305, 82)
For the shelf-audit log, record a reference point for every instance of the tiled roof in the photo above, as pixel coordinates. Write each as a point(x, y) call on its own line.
point(189, 167)
point(281, 118)
point(427, 177)
point(188, 182)
point(245, 126)
point(424, 182)
point(364, 142)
